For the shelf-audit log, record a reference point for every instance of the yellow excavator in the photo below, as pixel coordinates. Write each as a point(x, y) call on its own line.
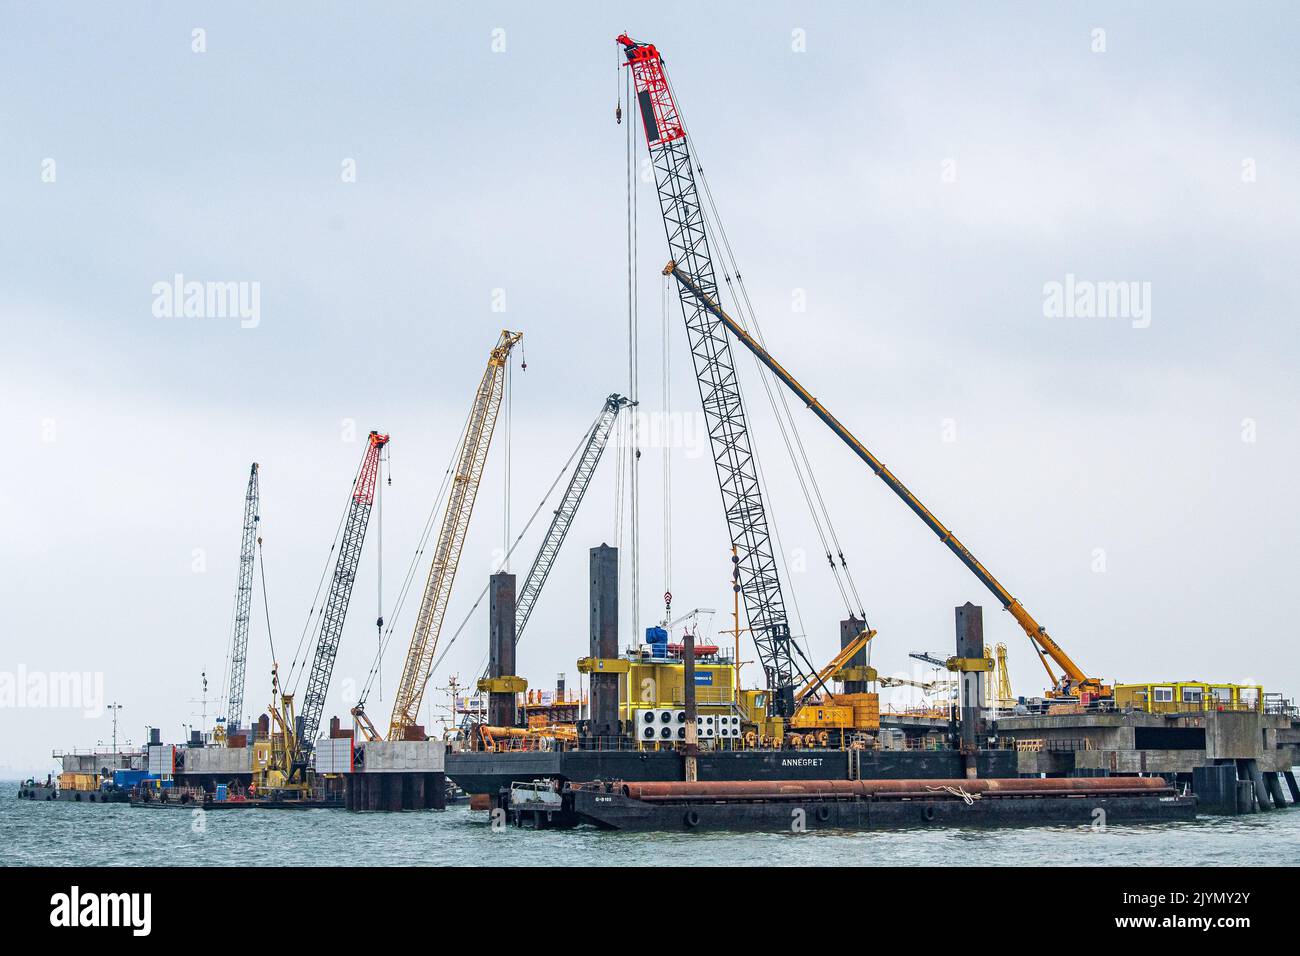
point(1072, 681)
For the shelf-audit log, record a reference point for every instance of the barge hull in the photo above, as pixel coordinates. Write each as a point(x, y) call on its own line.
point(478, 772)
point(614, 811)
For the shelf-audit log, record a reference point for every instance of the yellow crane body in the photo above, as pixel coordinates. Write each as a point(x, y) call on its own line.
point(837, 711)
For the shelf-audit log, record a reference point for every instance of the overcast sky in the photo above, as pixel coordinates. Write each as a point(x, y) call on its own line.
point(913, 177)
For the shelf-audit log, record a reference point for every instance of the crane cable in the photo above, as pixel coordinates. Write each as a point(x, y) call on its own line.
point(414, 566)
point(266, 607)
point(633, 371)
point(667, 450)
point(384, 454)
point(779, 550)
point(508, 401)
point(582, 443)
point(784, 416)
point(227, 664)
point(299, 664)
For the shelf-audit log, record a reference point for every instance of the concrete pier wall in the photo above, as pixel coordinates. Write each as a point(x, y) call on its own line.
point(374, 792)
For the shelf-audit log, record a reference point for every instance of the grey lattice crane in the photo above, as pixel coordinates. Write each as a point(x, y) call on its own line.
point(567, 510)
point(243, 604)
point(715, 372)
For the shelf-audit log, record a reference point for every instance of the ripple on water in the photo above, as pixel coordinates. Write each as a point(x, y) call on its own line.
point(117, 835)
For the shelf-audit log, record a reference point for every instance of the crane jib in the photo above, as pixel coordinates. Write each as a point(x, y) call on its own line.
point(1032, 629)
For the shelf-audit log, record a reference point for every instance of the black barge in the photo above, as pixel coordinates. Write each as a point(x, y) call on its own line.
point(488, 774)
point(799, 806)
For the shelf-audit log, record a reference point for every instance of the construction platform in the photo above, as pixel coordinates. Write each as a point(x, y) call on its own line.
point(1208, 750)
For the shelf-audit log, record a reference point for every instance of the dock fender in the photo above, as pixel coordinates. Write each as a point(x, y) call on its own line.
point(823, 813)
point(928, 813)
point(692, 818)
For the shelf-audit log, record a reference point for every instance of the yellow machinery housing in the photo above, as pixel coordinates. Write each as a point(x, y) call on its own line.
point(1182, 696)
point(840, 712)
point(662, 683)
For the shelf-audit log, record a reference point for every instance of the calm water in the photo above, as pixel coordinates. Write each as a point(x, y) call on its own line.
point(62, 833)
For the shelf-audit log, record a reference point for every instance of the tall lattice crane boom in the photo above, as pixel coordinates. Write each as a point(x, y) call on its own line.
point(243, 603)
point(335, 609)
point(470, 459)
point(567, 510)
point(715, 372)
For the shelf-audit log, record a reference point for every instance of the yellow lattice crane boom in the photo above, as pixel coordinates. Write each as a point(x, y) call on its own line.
point(470, 459)
point(1002, 694)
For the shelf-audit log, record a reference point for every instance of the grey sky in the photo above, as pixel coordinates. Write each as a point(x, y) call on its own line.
point(479, 171)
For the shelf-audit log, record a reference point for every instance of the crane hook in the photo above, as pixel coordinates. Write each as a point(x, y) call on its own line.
point(618, 114)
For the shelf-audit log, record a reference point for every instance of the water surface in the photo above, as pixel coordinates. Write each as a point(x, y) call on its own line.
point(120, 835)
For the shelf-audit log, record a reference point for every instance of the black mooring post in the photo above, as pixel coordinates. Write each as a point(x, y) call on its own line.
point(501, 647)
point(603, 719)
point(688, 693)
point(970, 646)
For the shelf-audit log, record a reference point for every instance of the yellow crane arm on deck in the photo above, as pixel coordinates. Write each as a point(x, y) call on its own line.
point(1073, 679)
point(837, 662)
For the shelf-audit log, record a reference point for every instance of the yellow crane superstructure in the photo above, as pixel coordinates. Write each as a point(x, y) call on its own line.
point(470, 460)
point(278, 761)
point(836, 712)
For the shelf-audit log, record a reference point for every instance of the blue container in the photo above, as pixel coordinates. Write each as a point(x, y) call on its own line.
point(656, 635)
point(221, 792)
point(659, 650)
point(126, 779)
